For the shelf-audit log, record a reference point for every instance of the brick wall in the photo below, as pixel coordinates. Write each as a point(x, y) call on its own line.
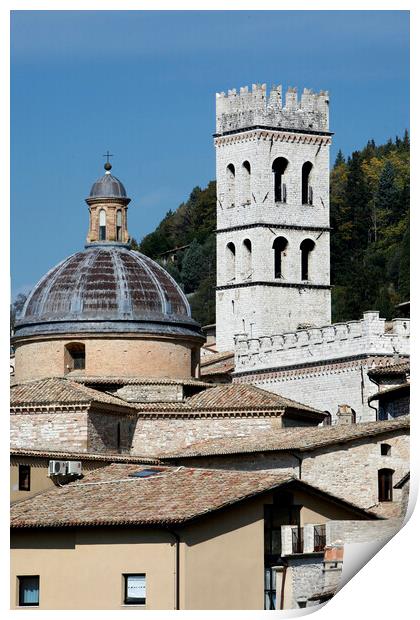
point(126, 357)
point(60, 431)
point(165, 434)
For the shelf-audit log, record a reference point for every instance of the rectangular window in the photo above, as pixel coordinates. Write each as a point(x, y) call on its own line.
point(28, 591)
point(24, 478)
point(135, 589)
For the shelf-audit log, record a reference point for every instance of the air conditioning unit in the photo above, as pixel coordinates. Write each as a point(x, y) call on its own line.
point(74, 467)
point(57, 468)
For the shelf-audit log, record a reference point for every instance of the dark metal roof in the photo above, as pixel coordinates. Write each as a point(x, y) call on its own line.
point(108, 186)
point(107, 289)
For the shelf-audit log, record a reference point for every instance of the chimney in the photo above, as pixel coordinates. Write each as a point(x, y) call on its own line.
point(345, 415)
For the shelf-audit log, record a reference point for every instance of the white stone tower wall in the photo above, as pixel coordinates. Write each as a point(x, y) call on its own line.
point(257, 148)
point(258, 131)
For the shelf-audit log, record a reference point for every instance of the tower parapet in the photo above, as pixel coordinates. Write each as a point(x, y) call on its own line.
point(238, 111)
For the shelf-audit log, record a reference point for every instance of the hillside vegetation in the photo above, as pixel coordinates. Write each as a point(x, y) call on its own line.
point(370, 198)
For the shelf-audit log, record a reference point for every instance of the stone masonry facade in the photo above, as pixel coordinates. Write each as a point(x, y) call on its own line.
point(349, 470)
point(323, 367)
point(253, 131)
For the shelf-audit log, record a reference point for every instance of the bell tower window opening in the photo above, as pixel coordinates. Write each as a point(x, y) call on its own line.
point(279, 168)
point(246, 176)
point(230, 261)
point(246, 258)
point(230, 185)
point(119, 225)
point(74, 357)
point(306, 249)
point(102, 225)
point(307, 193)
point(279, 246)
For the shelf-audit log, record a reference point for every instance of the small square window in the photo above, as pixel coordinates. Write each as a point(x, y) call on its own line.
point(24, 478)
point(135, 589)
point(385, 449)
point(28, 591)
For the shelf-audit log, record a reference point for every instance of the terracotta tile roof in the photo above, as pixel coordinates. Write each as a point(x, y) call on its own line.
point(110, 496)
point(297, 439)
point(136, 381)
point(60, 391)
point(403, 387)
point(214, 358)
point(173, 496)
point(390, 369)
point(82, 456)
point(244, 396)
point(222, 367)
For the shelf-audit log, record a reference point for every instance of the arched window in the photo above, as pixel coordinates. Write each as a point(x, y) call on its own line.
point(230, 185)
point(246, 182)
point(306, 247)
point(118, 225)
point(102, 225)
point(279, 168)
point(385, 485)
point(230, 261)
point(328, 419)
point(307, 194)
point(279, 247)
point(246, 258)
point(74, 356)
point(385, 449)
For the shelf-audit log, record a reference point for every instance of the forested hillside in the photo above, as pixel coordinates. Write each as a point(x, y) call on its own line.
point(369, 242)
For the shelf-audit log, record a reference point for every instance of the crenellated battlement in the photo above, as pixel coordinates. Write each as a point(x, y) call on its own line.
point(247, 108)
point(317, 344)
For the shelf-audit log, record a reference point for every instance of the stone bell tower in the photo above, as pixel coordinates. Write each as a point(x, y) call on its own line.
point(108, 202)
point(273, 235)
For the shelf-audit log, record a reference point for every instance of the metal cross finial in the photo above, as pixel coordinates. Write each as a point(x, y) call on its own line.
point(108, 155)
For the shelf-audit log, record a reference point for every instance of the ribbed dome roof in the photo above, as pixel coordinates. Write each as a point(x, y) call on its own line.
point(106, 289)
point(108, 186)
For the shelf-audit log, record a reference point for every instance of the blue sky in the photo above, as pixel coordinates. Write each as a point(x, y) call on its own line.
point(142, 84)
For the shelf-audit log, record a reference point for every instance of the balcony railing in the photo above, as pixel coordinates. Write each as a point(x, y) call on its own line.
point(297, 540)
point(320, 537)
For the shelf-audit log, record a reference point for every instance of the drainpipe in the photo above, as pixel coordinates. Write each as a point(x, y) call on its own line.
point(176, 536)
point(283, 585)
point(375, 409)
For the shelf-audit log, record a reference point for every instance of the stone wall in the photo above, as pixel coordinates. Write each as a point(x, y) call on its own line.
point(306, 577)
point(66, 430)
point(361, 531)
point(110, 433)
point(323, 367)
point(246, 108)
point(164, 434)
point(247, 209)
point(349, 470)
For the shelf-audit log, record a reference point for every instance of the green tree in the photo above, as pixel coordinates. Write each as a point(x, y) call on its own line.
point(193, 266)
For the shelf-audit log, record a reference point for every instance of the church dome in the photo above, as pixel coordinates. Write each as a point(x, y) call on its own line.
point(108, 186)
point(107, 288)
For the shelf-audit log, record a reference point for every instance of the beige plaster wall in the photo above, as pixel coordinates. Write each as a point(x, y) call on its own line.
point(82, 569)
point(107, 356)
point(40, 481)
point(221, 560)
